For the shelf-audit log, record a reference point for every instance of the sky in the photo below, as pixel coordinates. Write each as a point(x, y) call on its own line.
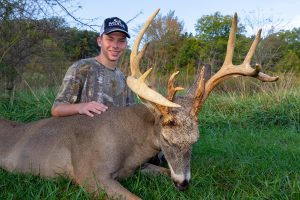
point(285, 14)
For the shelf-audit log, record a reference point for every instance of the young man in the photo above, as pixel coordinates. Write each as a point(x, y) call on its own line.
point(91, 85)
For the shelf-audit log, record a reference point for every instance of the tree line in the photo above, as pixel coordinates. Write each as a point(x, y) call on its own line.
point(37, 47)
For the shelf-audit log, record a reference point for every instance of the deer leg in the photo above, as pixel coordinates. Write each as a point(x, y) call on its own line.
point(115, 190)
point(155, 170)
point(112, 188)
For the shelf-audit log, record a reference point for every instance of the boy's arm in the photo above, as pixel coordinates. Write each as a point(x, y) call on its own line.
point(67, 103)
point(89, 109)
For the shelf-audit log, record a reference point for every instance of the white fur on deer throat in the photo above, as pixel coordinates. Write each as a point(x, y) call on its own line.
point(180, 177)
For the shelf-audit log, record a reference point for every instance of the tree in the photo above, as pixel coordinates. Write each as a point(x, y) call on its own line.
point(289, 50)
point(213, 26)
point(164, 35)
point(24, 25)
point(278, 50)
point(79, 44)
point(18, 41)
point(212, 31)
point(188, 53)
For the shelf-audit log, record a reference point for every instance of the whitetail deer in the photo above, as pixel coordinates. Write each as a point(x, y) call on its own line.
point(96, 152)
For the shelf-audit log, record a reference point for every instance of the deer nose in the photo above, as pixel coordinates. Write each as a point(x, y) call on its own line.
point(182, 185)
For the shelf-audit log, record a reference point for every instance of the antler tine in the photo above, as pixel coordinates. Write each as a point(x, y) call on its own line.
point(171, 89)
point(171, 93)
point(231, 41)
point(199, 92)
point(251, 51)
point(135, 56)
point(257, 74)
point(136, 82)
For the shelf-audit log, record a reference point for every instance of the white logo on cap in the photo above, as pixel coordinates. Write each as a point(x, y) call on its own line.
point(116, 22)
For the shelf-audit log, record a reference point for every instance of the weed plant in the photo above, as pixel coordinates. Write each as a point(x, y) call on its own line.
point(249, 148)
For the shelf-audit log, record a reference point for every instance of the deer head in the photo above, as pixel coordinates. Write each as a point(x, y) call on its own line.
point(178, 116)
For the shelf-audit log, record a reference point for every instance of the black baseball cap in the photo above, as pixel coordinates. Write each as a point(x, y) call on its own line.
point(114, 24)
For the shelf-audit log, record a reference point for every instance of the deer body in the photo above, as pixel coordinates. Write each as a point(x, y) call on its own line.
point(109, 145)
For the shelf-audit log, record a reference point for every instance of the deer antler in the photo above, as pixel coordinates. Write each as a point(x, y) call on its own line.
point(229, 70)
point(171, 89)
point(199, 92)
point(171, 93)
point(136, 82)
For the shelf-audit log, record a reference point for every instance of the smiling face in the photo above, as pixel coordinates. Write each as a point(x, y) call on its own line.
point(113, 46)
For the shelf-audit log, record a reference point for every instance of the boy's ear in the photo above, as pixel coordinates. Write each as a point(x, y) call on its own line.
point(99, 40)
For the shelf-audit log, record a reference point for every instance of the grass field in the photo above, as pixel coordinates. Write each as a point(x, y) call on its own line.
point(249, 148)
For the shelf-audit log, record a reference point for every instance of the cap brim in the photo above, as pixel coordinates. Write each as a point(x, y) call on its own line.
point(117, 30)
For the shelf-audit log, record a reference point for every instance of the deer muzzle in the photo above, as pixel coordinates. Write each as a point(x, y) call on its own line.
point(181, 181)
point(181, 185)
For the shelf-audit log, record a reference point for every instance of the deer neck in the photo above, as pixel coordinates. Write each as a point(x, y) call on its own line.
point(147, 133)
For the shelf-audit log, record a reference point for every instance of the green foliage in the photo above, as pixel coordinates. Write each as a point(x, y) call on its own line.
point(80, 44)
point(21, 39)
point(213, 26)
point(212, 32)
point(7, 71)
point(36, 53)
point(292, 39)
point(44, 71)
point(188, 52)
point(279, 51)
point(164, 28)
point(289, 62)
point(164, 35)
point(289, 51)
point(209, 27)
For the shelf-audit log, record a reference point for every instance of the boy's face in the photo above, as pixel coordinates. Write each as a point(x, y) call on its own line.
point(112, 45)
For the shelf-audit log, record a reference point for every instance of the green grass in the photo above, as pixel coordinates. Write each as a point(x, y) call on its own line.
point(249, 148)
point(17, 186)
point(249, 164)
point(27, 107)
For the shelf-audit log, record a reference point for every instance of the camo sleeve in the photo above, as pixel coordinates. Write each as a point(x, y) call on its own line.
point(69, 92)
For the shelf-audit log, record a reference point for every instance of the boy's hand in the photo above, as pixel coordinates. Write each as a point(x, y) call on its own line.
point(91, 107)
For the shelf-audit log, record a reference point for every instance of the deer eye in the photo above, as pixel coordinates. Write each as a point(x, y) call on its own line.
point(172, 123)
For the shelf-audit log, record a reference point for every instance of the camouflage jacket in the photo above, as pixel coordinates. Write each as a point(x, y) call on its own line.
point(88, 80)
